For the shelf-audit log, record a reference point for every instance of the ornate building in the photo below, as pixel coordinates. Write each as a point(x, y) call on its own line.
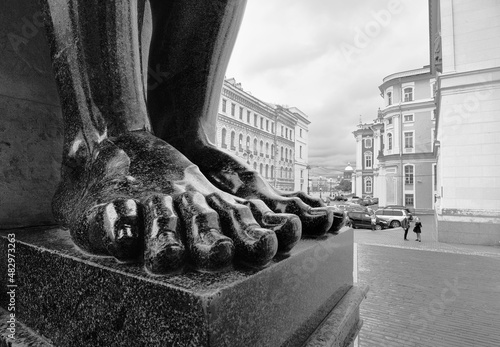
point(395, 160)
point(272, 139)
point(465, 55)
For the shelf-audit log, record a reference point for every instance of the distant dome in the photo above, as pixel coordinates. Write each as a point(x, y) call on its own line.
point(348, 167)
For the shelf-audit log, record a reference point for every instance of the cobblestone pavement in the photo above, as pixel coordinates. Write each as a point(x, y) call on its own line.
point(428, 293)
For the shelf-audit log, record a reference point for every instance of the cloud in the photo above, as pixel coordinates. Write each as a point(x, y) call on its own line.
point(296, 53)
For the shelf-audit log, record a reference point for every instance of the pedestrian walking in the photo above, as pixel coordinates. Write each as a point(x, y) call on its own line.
point(405, 224)
point(417, 229)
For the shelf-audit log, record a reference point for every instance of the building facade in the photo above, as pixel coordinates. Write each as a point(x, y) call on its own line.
point(271, 139)
point(395, 155)
point(368, 145)
point(465, 55)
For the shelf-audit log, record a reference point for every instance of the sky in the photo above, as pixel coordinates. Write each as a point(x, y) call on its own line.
point(328, 58)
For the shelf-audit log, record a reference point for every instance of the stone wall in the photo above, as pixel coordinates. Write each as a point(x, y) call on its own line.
point(31, 129)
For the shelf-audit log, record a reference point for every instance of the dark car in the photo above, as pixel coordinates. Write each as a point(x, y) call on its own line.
point(400, 207)
point(340, 198)
point(363, 220)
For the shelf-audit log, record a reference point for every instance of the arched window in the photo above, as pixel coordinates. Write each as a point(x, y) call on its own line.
point(368, 160)
point(233, 135)
point(368, 185)
point(409, 175)
point(408, 94)
point(261, 147)
point(272, 151)
point(255, 166)
point(267, 171)
point(255, 146)
point(267, 149)
point(389, 141)
point(248, 142)
point(286, 154)
point(281, 172)
point(240, 142)
point(223, 139)
point(272, 171)
point(260, 168)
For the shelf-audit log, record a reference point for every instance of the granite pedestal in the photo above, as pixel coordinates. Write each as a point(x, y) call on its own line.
point(72, 299)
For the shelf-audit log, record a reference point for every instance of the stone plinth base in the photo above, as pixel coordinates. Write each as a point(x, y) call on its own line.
point(72, 299)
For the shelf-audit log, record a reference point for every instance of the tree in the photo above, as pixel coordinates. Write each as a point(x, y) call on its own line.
point(345, 186)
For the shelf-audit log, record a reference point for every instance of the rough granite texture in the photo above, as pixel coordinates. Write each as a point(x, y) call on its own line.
point(31, 130)
point(77, 300)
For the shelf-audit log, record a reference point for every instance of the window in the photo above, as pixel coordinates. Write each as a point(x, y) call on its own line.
point(255, 166)
point(389, 121)
point(408, 140)
point(301, 173)
point(267, 171)
point(368, 143)
point(282, 132)
point(368, 185)
point(248, 142)
point(260, 168)
point(267, 124)
point(241, 113)
point(224, 102)
point(267, 150)
point(286, 154)
point(300, 132)
point(408, 118)
point(223, 139)
point(254, 120)
point(233, 108)
point(434, 170)
point(368, 160)
point(261, 148)
point(281, 172)
point(286, 133)
point(408, 174)
point(240, 142)
point(272, 151)
point(300, 152)
point(408, 94)
point(409, 200)
point(233, 137)
point(281, 153)
point(261, 123)
point(389, 142)
point(255, 146)
point(389, 98)
point(248, 117)
point(272, 127)
point(272, 171)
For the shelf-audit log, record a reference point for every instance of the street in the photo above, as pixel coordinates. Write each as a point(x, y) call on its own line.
point(428, 293)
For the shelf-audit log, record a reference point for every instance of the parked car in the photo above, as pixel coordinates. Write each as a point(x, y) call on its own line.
point(364, 220)
point(394, 217)
point(400, 207)
point(340, 198)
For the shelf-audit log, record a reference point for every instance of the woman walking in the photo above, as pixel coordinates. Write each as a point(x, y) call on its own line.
point(417, 229)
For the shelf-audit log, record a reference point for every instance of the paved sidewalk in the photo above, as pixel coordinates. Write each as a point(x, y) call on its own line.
point(429, 293)
point(394, 238)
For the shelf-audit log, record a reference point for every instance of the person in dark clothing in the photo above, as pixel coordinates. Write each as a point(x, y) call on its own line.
point(417, 229)
point(405, 224)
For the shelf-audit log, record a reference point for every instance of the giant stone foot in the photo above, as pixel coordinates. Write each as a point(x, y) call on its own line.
point(138, 199)
point(231, 175)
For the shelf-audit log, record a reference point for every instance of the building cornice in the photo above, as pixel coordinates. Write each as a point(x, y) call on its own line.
point(409, 106)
